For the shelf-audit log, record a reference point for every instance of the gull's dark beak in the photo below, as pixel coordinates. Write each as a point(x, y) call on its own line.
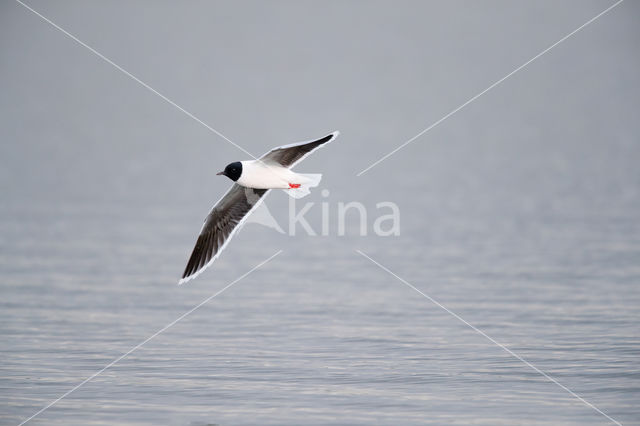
point(220, 174)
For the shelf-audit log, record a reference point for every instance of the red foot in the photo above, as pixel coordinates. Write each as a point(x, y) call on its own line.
point(294, 185)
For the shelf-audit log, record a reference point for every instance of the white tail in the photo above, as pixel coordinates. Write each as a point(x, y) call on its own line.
point(307, 181)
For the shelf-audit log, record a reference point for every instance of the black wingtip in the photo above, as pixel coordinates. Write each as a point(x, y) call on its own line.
point(328, 138)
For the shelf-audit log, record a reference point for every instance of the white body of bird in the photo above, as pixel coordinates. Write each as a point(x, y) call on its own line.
point(258, 174)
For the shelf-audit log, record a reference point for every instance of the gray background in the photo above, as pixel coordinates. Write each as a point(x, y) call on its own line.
point(519, 213)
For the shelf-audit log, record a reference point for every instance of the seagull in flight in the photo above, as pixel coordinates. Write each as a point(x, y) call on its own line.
point(252, 180)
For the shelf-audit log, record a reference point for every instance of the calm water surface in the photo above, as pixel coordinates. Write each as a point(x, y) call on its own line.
point(320, 334)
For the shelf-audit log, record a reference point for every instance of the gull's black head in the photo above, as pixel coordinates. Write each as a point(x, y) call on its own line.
point(233, 171)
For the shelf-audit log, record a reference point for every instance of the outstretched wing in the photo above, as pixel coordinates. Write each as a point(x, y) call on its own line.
point(289, 155)
point(222, 222)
